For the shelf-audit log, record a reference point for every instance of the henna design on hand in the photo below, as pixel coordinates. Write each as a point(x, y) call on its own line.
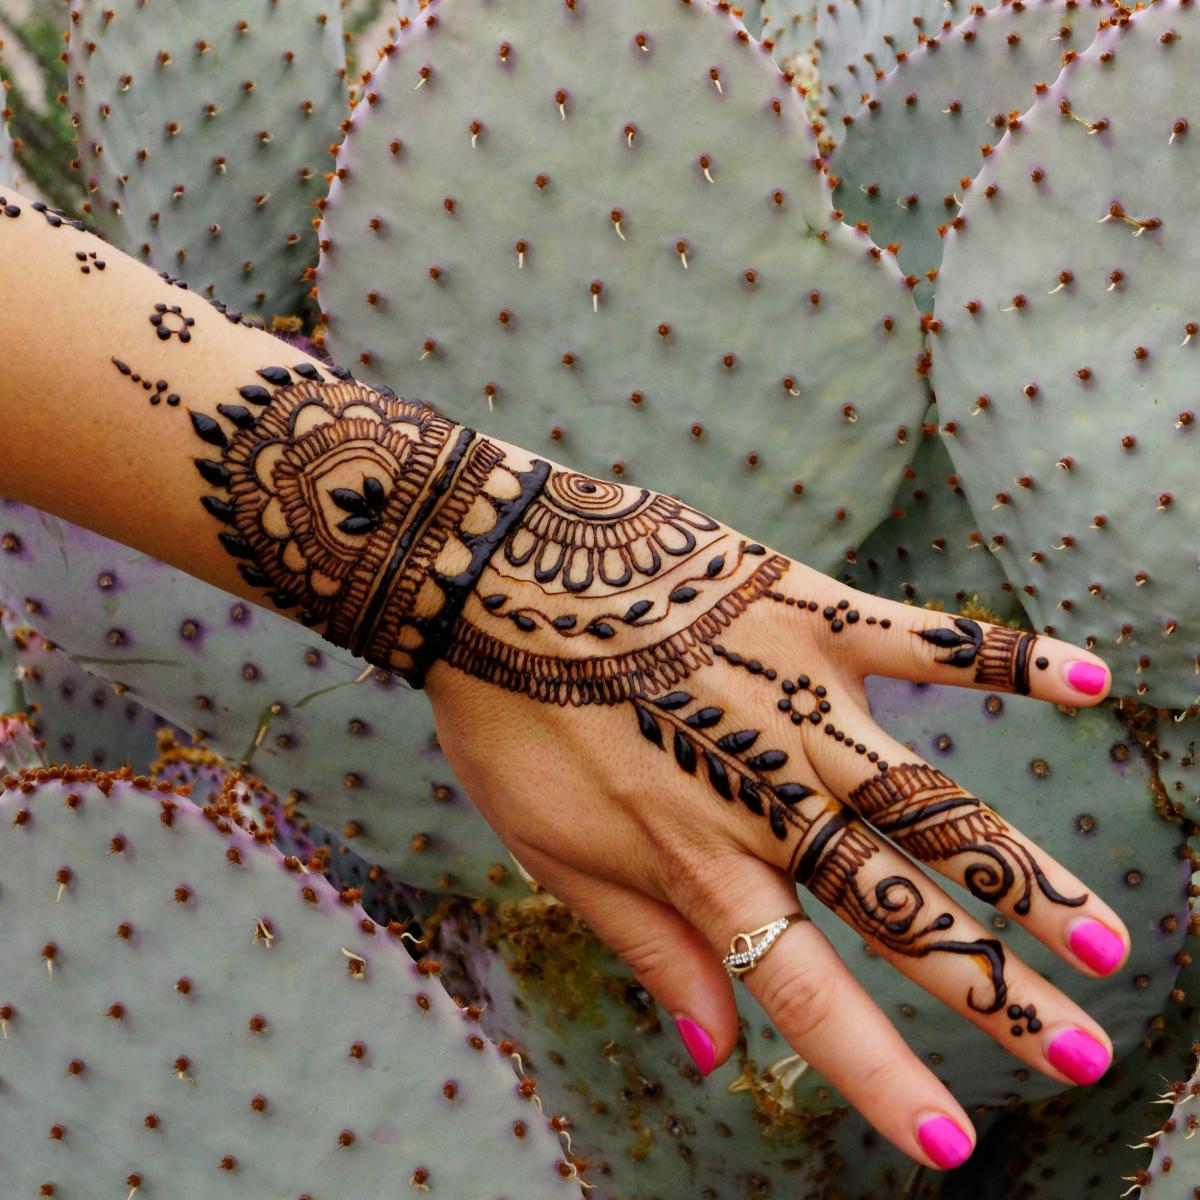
point(1000, 656)
point(931, 818)
point(170, 321)
point(158, 389)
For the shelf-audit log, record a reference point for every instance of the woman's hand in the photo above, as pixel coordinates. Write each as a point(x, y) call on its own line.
point(666, 724)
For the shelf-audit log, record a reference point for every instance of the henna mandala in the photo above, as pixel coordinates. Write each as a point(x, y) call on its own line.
point(157, 389)
point(169, 321)
point(933, 819)
point(1000, 656)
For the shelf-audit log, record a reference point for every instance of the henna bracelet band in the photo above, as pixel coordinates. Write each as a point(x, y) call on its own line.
point(389, 566)
point(738, 961)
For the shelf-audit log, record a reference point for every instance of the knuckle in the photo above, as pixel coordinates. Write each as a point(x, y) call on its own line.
point(798, 1001)
point(650, 960)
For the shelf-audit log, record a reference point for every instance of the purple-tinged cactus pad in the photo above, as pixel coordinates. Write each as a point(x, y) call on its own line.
point(7, 175)
point(188, 1013)
point(1177, 736)
point(1174, 1169)
point(1068, 302)
point(599, 230)
point(204, 134)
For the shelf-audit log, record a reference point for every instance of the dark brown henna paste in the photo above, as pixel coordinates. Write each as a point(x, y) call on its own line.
point(934, 820)
point(158, 389)
point(88, 261)
point(371, 514)
point(170, 321)
point(1000, 656)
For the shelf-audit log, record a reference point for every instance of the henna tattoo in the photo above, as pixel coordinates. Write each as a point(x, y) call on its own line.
point(1028, 1014)
point(169, 321)
point(158, 390)
point(87, 260)
point(837, 616)
point(730, 772)
point(56, 218)
point(7, 209)
point(372, 514)
point(933, 819)
point(999, 655)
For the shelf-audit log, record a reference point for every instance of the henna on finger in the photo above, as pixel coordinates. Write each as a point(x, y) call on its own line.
point(999, 655)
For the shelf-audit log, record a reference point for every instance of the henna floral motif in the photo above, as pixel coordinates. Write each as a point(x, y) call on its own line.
point(169, 321)
point(1000, 656)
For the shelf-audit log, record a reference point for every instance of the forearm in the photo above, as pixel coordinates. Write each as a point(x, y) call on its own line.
point(136, 408)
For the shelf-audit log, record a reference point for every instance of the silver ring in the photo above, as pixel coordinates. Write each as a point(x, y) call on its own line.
point(741, 959)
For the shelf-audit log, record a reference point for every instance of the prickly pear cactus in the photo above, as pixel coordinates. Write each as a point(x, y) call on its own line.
point(860, 40)
point(348, 745)
point(164, 970)
point(12, 692)
point(910, 152)
point(6, 153)
point(1175, 1164)
point(532, 227)
point(791, 25)
point(928, 550)
point(1068, 347)
point(83, 718)
point(1177, 736)
point(204, 136)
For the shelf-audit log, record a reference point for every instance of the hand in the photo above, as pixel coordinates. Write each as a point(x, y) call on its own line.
point(666, 724)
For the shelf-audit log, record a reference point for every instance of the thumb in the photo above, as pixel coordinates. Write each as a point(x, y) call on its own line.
point(670, 957)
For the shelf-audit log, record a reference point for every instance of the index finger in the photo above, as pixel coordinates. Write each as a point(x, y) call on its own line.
point(874, 636)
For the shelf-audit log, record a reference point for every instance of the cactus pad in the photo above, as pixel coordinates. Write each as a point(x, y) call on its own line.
point(204, 137)
point(909, 153)
point(597, 230)
point(165, 973)
point(1066, 301)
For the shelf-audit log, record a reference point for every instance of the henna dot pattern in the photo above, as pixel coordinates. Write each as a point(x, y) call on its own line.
point(226, 1054)
point(676, 316)
point(939, 134)
point(267, 143)
point(1137, 549)
point(156, 391)
point(170, 321)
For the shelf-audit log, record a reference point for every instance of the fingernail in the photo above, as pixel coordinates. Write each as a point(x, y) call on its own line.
point(944, 1142)
point(1096, 945)
point(1086, 677)
point(1078, 1055)
point(699, 1044)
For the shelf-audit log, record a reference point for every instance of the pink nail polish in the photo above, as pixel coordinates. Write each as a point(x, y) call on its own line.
point(1097, 946)
point(1086, 677)
point(944, 1142)
point(1078, 1055)
point(699, 1044)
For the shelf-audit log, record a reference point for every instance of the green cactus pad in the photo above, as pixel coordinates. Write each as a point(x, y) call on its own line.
point(859, 40)
point(903, 160)
point(791, 25)
point(7, 175)
point(81, 716)
point(12, 690)
point(928, 550)
point(685, 314)
point(1174, 1169)
point(1178, 738)
point(165, 974)
point(350, 746)
point(204, 136)
point(1080, 789)
point(1067, 299)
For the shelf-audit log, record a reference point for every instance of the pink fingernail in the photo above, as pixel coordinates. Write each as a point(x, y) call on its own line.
point(1097, 946)
point(1078, 1055)
point(944, 1142)
point(699, 1044)
point(1086, 677)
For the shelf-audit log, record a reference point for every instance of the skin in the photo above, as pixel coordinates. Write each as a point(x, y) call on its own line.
point(669, 735)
